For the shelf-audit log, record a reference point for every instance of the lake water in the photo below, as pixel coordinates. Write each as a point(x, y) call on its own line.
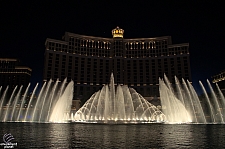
point(71, 135)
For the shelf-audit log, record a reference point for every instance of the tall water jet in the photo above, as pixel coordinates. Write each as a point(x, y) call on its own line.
point(216, 103)
point(198, 105)
point(63, 105)
point(100, 105)
point(120, 109)
point(51, 98)
point(15, 102)
point(180, 94)
point(222, 99)
point(128, 100)
point(8, 105)
point(58, 95)
point(37, 103)
point(173, 108)
point(3, 100)
point(22, 102)
point(30, 102)
point(62, 88)
point(112, 96)
point(191, 104)
point(44, 98)
point(209, 103)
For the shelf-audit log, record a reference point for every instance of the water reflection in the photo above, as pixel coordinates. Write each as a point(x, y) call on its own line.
point(176, 136)
point(29, 135)
point(60, 136)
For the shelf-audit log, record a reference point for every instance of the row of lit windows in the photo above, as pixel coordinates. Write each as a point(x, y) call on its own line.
point(89, 43)
point(129, 54)
point(133, 49)
point(140, 45)
point(106, 44)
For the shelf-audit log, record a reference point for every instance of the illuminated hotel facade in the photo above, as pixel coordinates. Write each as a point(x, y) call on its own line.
point(12, 74)
point(138, 63)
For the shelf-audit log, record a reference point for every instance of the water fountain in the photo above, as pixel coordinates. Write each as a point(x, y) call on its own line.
point(118, 105)
point(114, 104)
point(184, 105)
point(51, 105)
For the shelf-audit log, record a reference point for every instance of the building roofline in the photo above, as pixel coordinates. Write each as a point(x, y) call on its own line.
point(8, 59)
point(178, 45)
point(55, 40)
point(153, 38)
point(23, 67)
point(85, 36)
point(78, 35)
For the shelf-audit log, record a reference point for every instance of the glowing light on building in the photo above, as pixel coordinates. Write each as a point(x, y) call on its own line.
point(117, 32)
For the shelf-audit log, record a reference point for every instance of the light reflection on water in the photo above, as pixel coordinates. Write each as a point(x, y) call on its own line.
point(33, 135)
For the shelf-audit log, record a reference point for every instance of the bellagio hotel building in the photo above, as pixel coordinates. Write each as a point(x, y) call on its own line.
point(138, 63)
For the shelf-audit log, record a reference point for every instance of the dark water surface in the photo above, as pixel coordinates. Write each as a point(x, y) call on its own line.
point(34, 135)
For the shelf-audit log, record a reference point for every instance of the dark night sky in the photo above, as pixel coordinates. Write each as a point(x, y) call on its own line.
point(24, 28)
